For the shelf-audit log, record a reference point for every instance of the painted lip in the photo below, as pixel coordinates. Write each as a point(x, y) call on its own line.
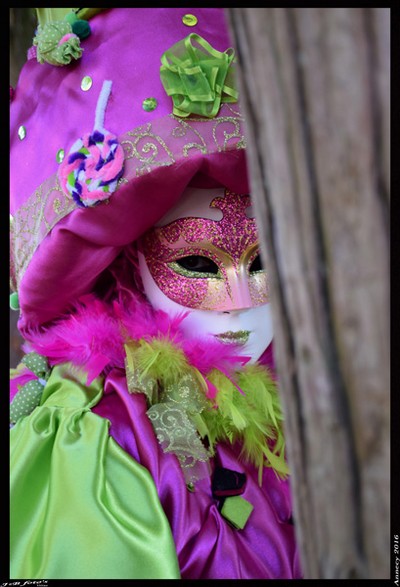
point(238, 337)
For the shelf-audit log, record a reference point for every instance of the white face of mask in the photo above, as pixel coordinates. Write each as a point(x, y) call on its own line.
point(246, 319)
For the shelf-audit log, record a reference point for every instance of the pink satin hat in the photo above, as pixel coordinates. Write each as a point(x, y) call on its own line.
point(60, 242)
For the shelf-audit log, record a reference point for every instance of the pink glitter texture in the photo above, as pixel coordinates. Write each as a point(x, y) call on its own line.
point(232, 244)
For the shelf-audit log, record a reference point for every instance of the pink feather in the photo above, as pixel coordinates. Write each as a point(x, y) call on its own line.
point(94, 333)
point(205, 354)
point(88, 337)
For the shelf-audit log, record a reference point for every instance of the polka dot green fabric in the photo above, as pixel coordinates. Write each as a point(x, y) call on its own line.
point(56, 43)
point(26, 400)
point(29, 395)
point(37, 364)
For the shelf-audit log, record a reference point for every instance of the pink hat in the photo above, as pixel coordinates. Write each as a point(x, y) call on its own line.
point(105, 143)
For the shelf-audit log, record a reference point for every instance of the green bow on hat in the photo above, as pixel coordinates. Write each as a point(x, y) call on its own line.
point(199, 78)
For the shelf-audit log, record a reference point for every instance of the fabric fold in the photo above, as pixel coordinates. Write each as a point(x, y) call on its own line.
point(106, 524)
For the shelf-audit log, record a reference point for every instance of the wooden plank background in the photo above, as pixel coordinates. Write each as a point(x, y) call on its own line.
point(315, 91)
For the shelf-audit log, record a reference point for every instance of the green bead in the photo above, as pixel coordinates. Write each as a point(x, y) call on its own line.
point(71, 18)
point(14, 301)
point(149, 104)
point(81, 28)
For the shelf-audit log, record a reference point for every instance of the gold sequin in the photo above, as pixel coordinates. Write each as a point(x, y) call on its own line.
point(22, 132)
point(189, 20)
point(86, 83)
point(60, 155)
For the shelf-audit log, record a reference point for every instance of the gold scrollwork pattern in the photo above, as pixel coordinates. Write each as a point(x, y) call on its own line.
point(32, 222)
point(176, 434)
point(174, 412)
point(156, 144)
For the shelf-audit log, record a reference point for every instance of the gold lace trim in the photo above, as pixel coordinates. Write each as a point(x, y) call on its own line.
point(175, 417)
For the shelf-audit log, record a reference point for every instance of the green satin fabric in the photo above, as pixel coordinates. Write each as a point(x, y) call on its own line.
point(81, 508)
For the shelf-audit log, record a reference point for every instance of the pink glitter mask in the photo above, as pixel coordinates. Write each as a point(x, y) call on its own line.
point(209, 264)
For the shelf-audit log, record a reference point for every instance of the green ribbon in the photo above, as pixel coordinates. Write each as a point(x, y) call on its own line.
point(30, 394)
point(198, 78)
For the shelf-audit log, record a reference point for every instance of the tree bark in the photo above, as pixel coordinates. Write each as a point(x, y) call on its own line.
point(314, 86)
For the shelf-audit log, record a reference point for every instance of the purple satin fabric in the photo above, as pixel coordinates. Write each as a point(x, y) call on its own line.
point(207, 546)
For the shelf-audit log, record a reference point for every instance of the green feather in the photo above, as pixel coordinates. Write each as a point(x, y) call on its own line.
point(161, 360)
point(252, 418)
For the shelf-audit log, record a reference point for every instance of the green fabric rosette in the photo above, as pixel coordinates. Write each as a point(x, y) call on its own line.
point(198, 77)
point(56, 43)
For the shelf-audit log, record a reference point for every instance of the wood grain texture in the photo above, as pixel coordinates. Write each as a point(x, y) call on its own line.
point(315, 94)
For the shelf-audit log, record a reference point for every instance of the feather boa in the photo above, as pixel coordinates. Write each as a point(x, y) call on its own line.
point(242, 400)
point(94, 334)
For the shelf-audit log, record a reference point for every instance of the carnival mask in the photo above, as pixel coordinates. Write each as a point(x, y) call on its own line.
point(204, 257)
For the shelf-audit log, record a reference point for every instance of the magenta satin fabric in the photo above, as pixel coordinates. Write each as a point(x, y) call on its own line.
point(84, 243)
point(207, 547)
point(125, 46)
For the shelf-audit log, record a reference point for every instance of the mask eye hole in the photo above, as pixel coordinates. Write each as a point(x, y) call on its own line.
point(256, 265)
point(198, 264)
